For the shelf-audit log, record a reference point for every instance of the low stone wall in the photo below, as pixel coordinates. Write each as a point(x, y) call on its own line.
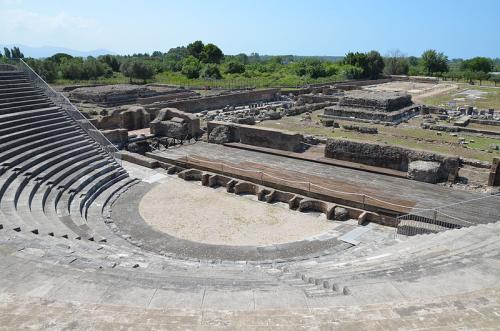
point(392, 157)
point(485, 122)
point(364, 115)
point(494, 177)
point(256, 136)
point(220, 101)
point(171, 122)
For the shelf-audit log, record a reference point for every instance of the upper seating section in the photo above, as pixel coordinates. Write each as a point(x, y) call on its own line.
point(51, 171)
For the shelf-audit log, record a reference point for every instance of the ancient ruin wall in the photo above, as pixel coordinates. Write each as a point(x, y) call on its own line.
point(220, 101)
point(262, 137)
point(387, 156)
point(381, 101)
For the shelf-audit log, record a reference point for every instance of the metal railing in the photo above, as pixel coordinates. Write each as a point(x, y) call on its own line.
point(63, 102)
point(485, 209)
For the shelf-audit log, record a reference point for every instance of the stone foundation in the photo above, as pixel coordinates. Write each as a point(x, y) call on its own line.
point(173, 123)
point(392, 157)
point(256, 136)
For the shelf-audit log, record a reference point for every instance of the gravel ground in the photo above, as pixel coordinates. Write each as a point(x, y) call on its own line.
point(194, 212)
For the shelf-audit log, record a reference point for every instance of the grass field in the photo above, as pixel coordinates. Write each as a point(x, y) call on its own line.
point(406, 135)
point(489, 97)
point(229, 81)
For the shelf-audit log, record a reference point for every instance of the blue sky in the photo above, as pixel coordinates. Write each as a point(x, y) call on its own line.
point(458, 28)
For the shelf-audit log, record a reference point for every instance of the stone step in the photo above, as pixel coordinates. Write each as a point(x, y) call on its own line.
point(43, 175)
point(51, 156)
point(5, 85)
point(69, 181)
point(7, 146)
point(34, 130)
point(23, 98)
point(90, 200)
point(86, 189)
point(4, 104)
point(13, 80)
point(26, 93)
point(12, 154)
point(16, 109)
point(31, 119)
point(28, 127)
point(30, 113)
point(74, 185)
point(97, 221)
point(14, 75)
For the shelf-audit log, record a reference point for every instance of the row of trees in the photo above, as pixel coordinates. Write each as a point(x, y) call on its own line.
point(207, 61)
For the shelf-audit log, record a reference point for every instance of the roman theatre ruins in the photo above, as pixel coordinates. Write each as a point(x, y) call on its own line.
point(156, 207)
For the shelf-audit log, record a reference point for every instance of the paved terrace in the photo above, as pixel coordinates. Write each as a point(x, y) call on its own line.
point(388, 188)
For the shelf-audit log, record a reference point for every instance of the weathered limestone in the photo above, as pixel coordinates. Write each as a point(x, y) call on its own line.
point(424, 171)
point(220, 135)
point(326, 208)
point(365, 105)
point(134, 118)
point(494, 177)
point(118, 136)
point(388, 156)
point(139, 159)
point(263, 137)
point(190, 174)
point(173, 123)
point(251, 188)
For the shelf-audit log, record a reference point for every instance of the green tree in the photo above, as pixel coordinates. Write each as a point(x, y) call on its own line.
point(210, 71)
point(195, 49)
point(191, 67)
point(242, 58)
point(351, 72)
point(375, 64)
point(111, 61)
point(173, 58)
point(58, 57)
point(137, 69)
point(16, 53)
point(234, 67)
point(396, 63)
point(7, 53)
point(72, 68)
point(434, 62)
point(371, 63)
point(47, 69)
point(211, 54)
point(477, 64)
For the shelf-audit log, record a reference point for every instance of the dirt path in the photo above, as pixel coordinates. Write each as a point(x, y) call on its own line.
point(440, 89)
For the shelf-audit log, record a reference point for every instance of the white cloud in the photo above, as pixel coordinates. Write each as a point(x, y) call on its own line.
point(15, 20)
point(19, 26)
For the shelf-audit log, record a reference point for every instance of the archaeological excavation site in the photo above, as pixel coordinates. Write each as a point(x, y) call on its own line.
point(346, 205)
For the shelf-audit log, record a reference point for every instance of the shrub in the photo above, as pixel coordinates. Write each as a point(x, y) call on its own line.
point(210, 71)
point(191, 67)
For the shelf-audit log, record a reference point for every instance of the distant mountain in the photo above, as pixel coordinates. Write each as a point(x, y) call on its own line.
point(46, 51)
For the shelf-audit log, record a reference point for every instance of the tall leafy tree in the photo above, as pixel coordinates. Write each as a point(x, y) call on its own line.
point(7, 53)
point(211, 54)
point(396, 63)
point(16, 53)
point(477, 64)
point(375, 64)
point(195, 49)
point(434, 62)
point(191, 67)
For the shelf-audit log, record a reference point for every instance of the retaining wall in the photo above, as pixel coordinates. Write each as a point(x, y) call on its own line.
point(220, 101)
point(263, 137)
point(388, 156)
